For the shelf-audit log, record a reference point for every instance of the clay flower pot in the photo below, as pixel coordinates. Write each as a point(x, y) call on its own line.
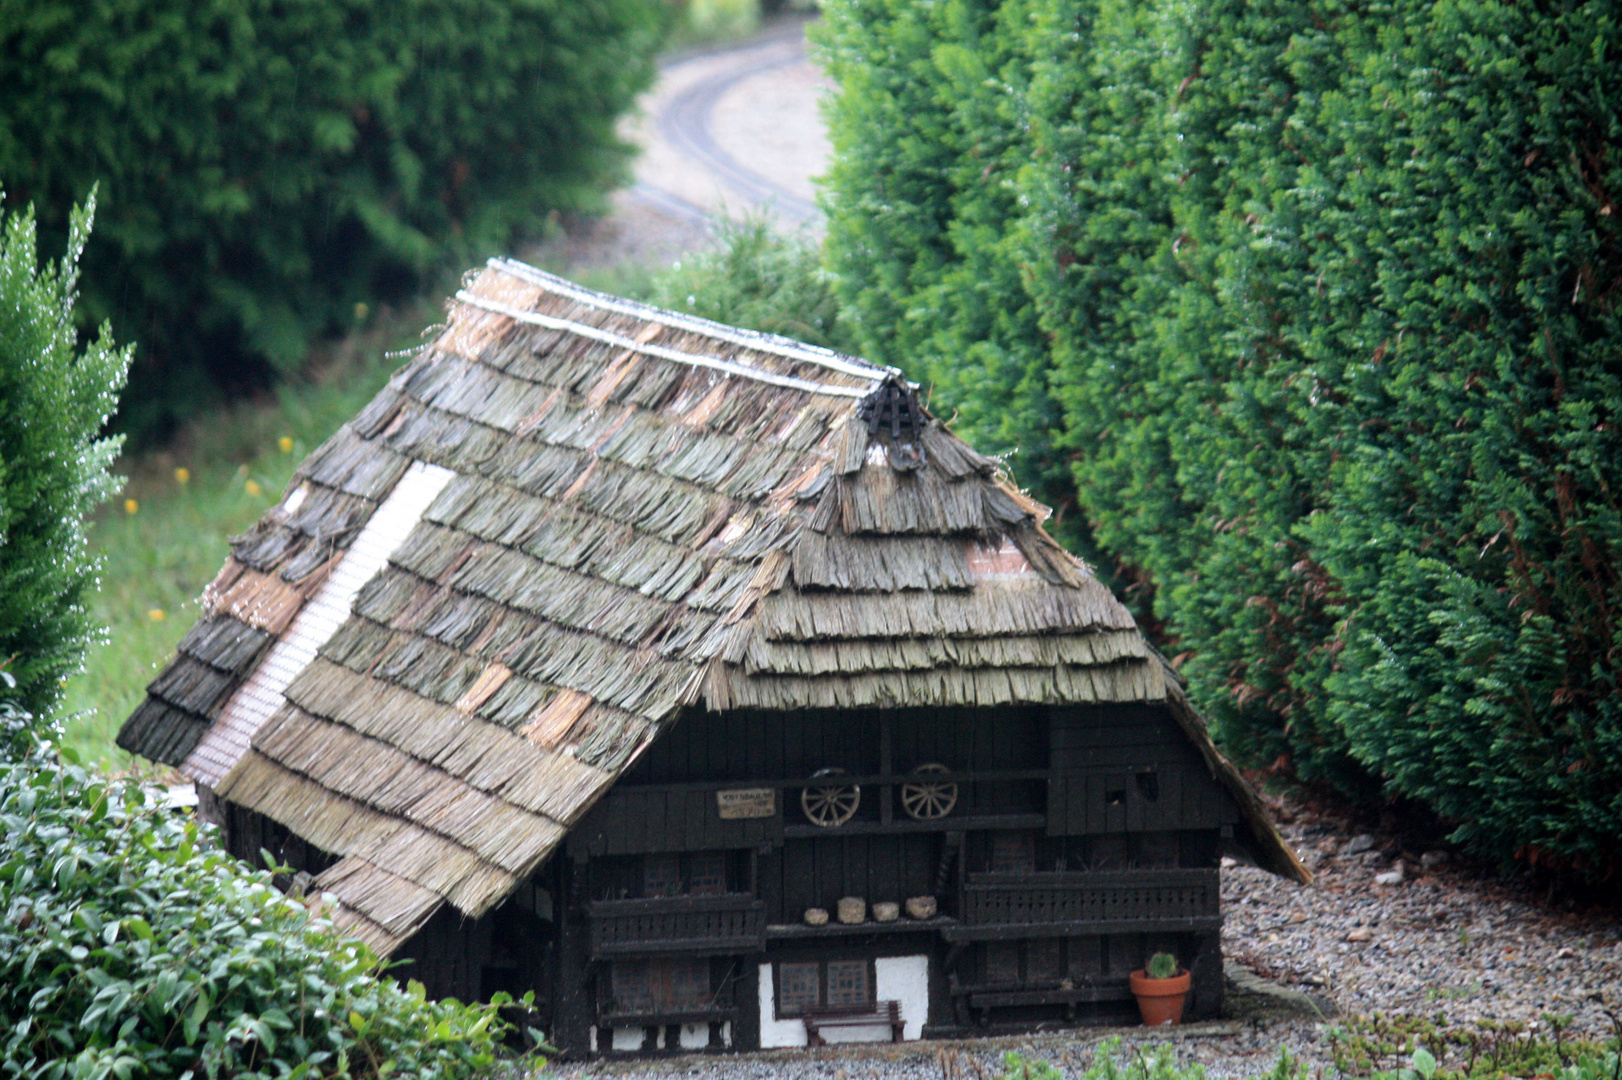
point(1160, 1001)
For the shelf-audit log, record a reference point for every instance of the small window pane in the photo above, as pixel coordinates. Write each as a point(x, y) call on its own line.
point(633, 988)
point(709, 874)
point(661, 875)
point(847, 982)
point(798, 988)
point(689, 984)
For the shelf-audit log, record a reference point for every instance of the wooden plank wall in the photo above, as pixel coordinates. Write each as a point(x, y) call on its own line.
point(630, 821)
point(754, 745)
point(1087, 959)
point(249, 834)
point(816, 872)
point(1130, 769)
point(448, 956)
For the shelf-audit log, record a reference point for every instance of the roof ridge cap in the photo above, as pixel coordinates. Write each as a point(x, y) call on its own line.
point(714, 363)
point(777, 344)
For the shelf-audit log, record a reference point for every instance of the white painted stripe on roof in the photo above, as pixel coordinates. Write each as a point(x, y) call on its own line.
point(749, 339)
point(714, 363)
point(256, 700)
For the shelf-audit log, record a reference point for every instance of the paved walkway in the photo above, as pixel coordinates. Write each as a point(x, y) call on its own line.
point(723, 132)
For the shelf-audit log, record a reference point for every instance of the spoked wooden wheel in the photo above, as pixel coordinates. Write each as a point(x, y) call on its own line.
point(830, 804)
point(930, 793)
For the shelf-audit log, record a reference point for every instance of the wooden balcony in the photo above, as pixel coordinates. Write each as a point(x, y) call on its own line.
point(716, 925)
point(995, 906)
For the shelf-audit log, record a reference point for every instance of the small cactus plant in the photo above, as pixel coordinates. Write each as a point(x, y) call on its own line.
point(1161, 966)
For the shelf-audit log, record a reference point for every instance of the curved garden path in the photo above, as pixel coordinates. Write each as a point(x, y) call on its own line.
point(724, 132)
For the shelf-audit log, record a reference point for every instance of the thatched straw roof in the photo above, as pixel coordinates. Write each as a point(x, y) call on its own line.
point(569, 518)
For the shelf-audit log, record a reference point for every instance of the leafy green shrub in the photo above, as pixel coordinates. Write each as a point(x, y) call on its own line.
point(265, 167)
point(53, 463)
point(1311, 310)
point(131, 948)
point(758, 278)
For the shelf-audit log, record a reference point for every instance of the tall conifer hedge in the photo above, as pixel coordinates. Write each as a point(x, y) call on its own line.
point(1314, 309)
point(267, 165)
point(56, 394)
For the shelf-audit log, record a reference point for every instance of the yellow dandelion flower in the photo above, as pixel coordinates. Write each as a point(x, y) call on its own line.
point(155, 614)
point(286, 443)
point(130, 506)
point(183, 476)
point(252, 488)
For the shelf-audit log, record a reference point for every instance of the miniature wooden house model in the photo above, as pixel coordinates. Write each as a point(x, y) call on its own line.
point(703, 683)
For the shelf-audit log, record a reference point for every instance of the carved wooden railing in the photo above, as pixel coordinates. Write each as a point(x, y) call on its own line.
point(731, 923)
point(1113, 901)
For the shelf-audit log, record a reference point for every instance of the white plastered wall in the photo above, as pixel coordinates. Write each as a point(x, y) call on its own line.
point(630, 1039)
point(903, 979)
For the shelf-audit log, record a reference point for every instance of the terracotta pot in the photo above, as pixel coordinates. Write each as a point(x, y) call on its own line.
point(815, 916)
point(1160, 1001)
point(852, 910)
point(886, 911)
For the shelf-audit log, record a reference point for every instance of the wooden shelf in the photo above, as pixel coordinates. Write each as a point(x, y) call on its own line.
point(802, 932)
point(1006, 931)
point(716, 946)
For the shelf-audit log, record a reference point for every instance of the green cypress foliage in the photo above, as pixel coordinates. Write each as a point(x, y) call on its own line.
point(929, 133)
point(53, 462)
point(267, 166)
point(1476, 531)
point(1317, 308)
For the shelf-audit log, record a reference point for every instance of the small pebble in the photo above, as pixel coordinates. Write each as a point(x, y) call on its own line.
point(1359, 844)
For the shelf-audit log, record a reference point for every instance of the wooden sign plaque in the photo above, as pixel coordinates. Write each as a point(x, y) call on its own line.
point(746, 803)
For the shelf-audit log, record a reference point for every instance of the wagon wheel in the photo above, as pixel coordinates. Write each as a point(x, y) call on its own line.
point(830, 804)
point(929, 794)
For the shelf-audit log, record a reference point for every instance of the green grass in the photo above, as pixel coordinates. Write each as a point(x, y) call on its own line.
point(163, 539)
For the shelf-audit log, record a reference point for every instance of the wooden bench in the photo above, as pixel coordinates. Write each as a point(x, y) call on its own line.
point(879, 1014)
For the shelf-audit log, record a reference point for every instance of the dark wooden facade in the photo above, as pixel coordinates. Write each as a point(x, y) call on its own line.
point(1081, 840)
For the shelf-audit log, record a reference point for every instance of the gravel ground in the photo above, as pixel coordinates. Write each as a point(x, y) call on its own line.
point(1444, 939)
point(1388, 930)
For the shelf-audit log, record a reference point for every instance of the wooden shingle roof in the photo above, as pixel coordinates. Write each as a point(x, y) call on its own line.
point(568, 518)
